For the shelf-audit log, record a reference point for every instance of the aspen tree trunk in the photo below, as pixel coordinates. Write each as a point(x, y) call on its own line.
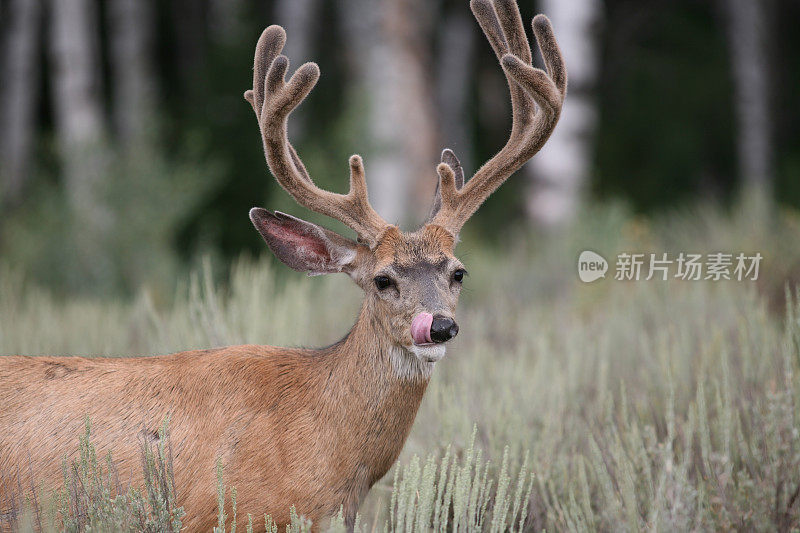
point(748, 33)
point(20, 83)
point(80, 128)
point(560, 171)
point(389, 41)
point(131, 26)
point(298, 18)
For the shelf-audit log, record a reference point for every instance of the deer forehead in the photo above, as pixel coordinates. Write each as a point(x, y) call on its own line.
point(431, 245)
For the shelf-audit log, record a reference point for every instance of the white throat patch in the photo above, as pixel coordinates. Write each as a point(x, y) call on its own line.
point(416, 361)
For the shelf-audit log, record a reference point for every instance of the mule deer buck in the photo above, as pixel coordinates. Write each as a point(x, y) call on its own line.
point(310, 428)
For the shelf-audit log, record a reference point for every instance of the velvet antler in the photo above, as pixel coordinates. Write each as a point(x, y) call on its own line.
point(536, 99)
point(273, 99)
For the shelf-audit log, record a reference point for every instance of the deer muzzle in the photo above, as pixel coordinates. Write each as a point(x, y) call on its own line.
point(429, 329)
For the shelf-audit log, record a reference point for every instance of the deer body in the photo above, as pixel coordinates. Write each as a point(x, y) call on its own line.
point(314, 429)
point(310, 428)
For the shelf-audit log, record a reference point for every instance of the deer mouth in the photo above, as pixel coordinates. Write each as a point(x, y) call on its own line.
point(421, 329)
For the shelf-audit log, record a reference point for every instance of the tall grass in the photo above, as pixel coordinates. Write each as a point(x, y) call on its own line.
point(560, 406)
point(93, 498)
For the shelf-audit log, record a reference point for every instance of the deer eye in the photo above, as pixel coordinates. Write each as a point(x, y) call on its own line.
point(383, 282)
point(458, 275)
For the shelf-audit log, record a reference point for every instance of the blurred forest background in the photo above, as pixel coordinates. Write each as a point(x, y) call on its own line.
point(127, 150)
point(128, 156)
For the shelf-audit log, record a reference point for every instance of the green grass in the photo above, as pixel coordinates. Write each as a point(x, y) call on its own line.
point(93, 498)
point(560, 406)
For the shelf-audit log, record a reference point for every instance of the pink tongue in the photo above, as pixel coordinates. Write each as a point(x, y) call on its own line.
point(421, 328)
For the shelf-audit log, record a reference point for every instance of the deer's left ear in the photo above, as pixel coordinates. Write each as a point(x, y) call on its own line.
point(304, 246)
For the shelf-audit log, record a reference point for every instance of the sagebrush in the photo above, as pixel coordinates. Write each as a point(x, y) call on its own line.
point(611, 406)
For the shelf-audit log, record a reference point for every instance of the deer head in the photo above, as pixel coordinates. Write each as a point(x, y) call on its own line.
point(412, 280)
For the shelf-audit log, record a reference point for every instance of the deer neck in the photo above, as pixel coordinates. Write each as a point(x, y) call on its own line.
point(373, 391)
point(369, 353)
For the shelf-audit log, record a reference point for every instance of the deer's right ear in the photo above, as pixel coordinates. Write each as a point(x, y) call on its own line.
point(304, 246)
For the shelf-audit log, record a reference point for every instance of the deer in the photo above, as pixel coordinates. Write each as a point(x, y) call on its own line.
point(313, 429)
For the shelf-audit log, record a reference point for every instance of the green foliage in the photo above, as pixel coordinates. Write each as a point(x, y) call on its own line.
point(92, 497)
point(145, 199)
point(560, 406)
point(666, 127)
point(461, 497)
point(665, 130)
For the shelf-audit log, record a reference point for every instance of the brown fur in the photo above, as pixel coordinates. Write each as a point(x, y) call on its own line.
point(292, 427)
point(310, 428)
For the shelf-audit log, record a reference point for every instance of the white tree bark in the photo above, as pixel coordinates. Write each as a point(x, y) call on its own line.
point(388, 40)
point(80, 128)
point(20, 82)
point(559, 172)
point(76, 101)
point(298, 18)
point(131, 26)
point(747, 38)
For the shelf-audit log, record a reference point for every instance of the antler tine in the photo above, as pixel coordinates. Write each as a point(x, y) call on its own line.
point(273, 99)
point(448, 158)
point(536, 100)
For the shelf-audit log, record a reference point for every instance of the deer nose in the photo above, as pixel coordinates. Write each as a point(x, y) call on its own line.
point(443, 329)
